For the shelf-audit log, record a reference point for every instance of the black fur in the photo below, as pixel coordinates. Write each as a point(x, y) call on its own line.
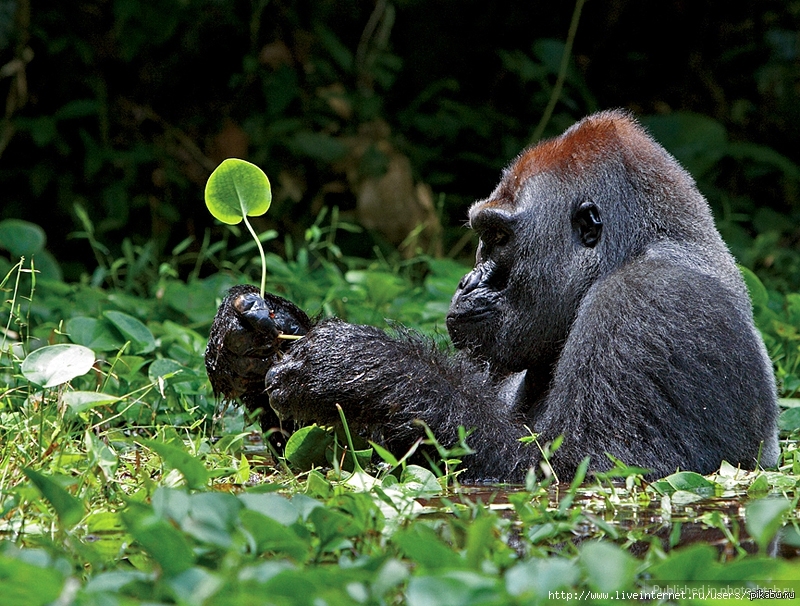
point(603, 306)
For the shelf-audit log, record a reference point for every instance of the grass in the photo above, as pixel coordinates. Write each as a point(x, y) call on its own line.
point(127, 485)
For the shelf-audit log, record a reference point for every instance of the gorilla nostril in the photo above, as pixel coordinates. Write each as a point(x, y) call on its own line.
point(471, 281)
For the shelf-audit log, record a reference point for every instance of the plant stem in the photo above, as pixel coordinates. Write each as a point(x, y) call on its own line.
point(562, 72)
point(356, 465)
point(261, 252)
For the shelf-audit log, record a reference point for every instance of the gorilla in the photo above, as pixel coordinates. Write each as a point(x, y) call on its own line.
point(603, 307)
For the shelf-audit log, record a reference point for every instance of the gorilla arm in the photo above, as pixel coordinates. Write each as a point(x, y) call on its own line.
point(651, 372)
point(384, 384)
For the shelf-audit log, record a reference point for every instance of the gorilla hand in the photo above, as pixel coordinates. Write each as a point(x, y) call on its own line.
point(333, 364)
point(386, 383)
point(345, 364)
point(245, 340)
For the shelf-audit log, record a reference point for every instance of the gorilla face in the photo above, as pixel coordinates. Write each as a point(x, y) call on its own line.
point(537, 256)
point(479, 305)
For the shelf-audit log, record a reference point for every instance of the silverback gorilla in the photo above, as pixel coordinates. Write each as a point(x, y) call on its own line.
point(603, 306)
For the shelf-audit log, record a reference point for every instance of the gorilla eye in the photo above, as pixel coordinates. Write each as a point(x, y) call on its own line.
point(490, 241)
point(588, 224)
point(496, 238)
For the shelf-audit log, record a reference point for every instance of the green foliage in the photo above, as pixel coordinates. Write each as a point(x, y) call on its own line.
point(122, 482)
point(759, 236)
point(68, 508)
point(686, 481)
point(26, 241)
point(778, 318)
point(764, 518)
point(302, 107)
point(307, 446)
point(56, 364)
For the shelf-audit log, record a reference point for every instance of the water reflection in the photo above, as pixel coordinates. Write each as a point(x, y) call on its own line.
point(636, 520)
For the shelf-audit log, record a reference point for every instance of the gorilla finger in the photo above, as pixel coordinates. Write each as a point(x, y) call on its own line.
point(242, 342)
point(279, 385)
point(249, 368)
point(256, 314)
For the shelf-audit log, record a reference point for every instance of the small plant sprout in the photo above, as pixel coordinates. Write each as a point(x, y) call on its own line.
point(238, 189)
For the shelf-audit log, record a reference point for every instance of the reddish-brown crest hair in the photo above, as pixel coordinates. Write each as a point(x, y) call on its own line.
point(582, 146)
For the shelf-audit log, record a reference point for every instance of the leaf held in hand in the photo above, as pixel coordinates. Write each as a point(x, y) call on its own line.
point(237, 189)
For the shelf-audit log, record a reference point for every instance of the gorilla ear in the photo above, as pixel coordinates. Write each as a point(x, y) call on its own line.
point(587, 224)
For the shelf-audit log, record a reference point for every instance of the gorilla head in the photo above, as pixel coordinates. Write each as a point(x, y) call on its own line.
point(567, 213)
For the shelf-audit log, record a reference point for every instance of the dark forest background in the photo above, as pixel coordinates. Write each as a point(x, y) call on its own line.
point(393, 113)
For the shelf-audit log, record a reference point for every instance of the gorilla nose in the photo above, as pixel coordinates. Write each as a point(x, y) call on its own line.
point(471, 281)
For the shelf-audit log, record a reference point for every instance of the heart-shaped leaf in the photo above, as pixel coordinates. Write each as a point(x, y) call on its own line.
point(237, 189)
point(56, 364)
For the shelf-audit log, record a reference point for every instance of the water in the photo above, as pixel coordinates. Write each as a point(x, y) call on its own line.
point(636, 518)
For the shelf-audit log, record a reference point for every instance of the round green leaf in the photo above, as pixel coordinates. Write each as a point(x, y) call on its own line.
point(95, 334)
point(56, 364)
point(306, 447)
point(235, 189)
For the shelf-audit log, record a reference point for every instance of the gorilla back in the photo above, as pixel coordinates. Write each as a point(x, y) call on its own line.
point(603, 306)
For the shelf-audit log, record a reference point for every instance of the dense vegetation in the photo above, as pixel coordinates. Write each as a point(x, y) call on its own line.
point(122, 482)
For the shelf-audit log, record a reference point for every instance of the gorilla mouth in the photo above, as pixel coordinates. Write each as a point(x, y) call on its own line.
point(468, 328)
point(472, 316)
